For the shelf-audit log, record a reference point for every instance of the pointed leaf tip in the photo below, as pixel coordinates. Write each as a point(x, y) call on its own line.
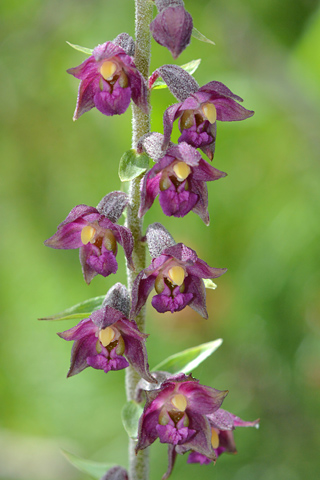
point(187, 360)
point(78, 311)
point(199, 36)
point(87, 51)
point(95, 469)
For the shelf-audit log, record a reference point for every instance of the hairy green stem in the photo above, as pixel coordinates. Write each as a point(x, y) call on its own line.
point(138, 464)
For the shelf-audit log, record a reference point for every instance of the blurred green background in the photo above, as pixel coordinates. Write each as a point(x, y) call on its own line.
point(264, 227)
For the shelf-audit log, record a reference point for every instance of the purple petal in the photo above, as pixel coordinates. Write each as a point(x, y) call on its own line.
point(228, 110)
point(81, 350)
point(182, 253)
point(169, 116)
point(201, 399)
point(141, 288)
point(114, 103)
point(108, 50)
point(68, 236)
point(219, 89)
point(196, 457)
point(163, 303)
point(115, 362)
point(139, 89)
point(83, 329)
point(202, 270)
point(81, 212)
point(88, 68)
point(176, 203)
point(201, 207)
point(196, 286)
point(205, 172)
point(149, 191)
point(226, 442)
point(171, 461)
point(135, 349)
point(201, 441)
point(124, 236)
point(104, 264)
point(84, 252)
point(186, 153)
point(170, 434)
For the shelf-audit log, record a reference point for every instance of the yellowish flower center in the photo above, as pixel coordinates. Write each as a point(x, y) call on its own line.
point(176, 275)
point(87, 234)
point(209, 111)
point(106, 335)
point(179, 401)
point(214, 438)
point(182, 170)
point(107, 69)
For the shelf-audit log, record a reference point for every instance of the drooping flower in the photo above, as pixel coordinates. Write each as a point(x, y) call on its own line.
point(179, 178)
point(109, 79)
point(198, 115)
point(176, 413)
point(172, 27)
point(222, 425)
point(175, 272)
point(107, 340)
point(199, 108)
point(95, 233)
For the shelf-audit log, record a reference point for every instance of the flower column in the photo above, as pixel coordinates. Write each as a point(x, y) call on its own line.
point(138, 464)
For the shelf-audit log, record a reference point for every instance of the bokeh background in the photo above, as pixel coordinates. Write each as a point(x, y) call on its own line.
point(264, 228)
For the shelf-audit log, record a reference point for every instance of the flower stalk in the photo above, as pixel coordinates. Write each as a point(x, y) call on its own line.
point(138, 464)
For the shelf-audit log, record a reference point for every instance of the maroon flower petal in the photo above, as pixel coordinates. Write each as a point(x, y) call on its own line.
point(112, 103)
point(140, 291)
point(135, 349)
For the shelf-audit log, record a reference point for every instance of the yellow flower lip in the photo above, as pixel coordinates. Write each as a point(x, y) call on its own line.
point(176, 275)
point(209, 111)
point(214, 438)
point(87, 234)
point(106, 336)
point(182, 170)
point(179, 401)
point(107, 69)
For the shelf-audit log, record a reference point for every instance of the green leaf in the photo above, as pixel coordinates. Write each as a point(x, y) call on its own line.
point(81, 310)
point(132, 164)
point(87, 51)
point(208, 283)
point(188, 360)
point(198, 35)
point(95, 469)
point(130, 415)
point(190, 67)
